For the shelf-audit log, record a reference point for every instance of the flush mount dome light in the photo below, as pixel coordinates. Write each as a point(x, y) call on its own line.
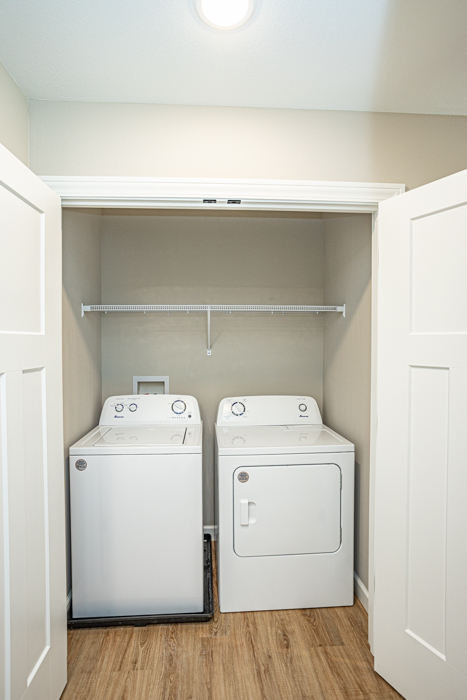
point(224, 14)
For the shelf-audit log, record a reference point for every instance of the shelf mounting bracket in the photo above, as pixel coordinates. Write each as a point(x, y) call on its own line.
point(209, 329)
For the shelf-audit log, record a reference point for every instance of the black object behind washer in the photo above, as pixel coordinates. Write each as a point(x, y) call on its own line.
point(168, 619)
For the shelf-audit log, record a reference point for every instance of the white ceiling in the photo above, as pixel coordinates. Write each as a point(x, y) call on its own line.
point(375, 55)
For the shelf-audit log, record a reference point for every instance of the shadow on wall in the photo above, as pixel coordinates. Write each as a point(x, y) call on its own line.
point(82, 376)
point(347, 354)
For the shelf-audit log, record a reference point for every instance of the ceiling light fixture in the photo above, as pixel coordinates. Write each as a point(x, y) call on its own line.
point(224, 14)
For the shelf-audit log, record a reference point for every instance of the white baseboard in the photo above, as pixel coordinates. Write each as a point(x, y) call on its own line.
point(361, 591)
point(68, 601)
point(211, 530)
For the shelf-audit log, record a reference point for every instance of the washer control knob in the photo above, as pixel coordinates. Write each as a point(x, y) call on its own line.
point(133, 406)
point(303, 407)
point(119, 407)
point(179, 407)
point(238, 408)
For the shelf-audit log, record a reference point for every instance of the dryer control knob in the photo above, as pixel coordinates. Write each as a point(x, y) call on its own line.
point(133, 406)
point(179, 407)
point(303, 407)
point(238, 408)
point(119, 407)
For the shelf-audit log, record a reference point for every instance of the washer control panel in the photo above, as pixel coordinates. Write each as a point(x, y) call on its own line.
point(269, 410)
point(150, 409)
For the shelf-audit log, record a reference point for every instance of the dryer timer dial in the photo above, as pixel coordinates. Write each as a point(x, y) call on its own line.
point(179, 407)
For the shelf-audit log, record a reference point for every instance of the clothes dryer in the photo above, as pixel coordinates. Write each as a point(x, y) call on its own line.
point(285, 506)
point(137, 511)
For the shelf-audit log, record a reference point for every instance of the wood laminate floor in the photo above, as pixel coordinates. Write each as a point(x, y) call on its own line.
point(316, 654)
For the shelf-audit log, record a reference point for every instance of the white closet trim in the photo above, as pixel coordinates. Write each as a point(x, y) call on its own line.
point(266, 195)
point(220, 194)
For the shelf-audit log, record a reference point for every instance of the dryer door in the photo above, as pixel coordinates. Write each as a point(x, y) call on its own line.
point(290, 509)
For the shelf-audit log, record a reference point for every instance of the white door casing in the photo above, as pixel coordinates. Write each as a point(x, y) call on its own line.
point(32, 519)
point(420, 604)
point(267, 195)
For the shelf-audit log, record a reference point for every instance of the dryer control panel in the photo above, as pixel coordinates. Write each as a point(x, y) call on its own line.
point(269, 410)
point(150, 409)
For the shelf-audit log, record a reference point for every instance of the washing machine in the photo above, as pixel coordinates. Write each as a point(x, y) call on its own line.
point(285, 506)
point(137, 511)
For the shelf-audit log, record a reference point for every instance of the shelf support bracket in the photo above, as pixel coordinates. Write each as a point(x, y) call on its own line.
point(209, 329)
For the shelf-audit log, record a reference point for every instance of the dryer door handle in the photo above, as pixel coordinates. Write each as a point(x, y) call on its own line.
point(244, 520)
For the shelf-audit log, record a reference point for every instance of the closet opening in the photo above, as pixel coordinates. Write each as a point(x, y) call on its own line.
point(205, 257)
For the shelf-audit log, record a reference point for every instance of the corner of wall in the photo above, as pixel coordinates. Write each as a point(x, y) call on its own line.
point(29, 135)
point(14, 117)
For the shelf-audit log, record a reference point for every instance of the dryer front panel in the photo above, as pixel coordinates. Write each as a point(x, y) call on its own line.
point(289, 509)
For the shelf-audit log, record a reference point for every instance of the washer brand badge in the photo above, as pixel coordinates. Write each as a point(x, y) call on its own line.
point(243, 477)
point(81, 464)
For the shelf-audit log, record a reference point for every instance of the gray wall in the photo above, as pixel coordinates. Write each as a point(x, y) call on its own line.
point(180, 258)
point(82, 376)
point(13, 117)
point(71, 138)
point(347, 354)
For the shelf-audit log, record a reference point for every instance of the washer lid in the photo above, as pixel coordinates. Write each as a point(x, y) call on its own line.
point(262, 439)
point(140, 439)
point(142, 435)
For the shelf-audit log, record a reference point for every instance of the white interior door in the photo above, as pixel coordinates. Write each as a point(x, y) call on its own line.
point(32, 521)
point(420, 606)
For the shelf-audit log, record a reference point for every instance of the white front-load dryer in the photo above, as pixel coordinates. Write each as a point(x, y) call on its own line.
point(285, 506)
point(137, 510)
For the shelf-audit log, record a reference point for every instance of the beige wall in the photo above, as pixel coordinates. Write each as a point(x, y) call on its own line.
point(70, 138)
point(347, 354)
point(201, 259)
point(13, 116)
point(82, 377)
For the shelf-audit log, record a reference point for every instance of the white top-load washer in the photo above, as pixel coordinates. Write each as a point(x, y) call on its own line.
point(137, 511)
point(285, 506)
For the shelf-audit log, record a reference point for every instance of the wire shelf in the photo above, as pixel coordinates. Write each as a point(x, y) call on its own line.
point(209, 308)
point(265, 308)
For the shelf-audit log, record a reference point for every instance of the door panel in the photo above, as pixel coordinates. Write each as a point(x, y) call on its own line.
point(32, 546)
point(280, 510)
point(438, 281)
point(420, 611)
point(456, 554)
point(427, 470)
point(36, 508)
point(21, 265)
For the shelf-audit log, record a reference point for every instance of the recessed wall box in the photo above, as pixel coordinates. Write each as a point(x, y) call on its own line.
point(150, 385)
